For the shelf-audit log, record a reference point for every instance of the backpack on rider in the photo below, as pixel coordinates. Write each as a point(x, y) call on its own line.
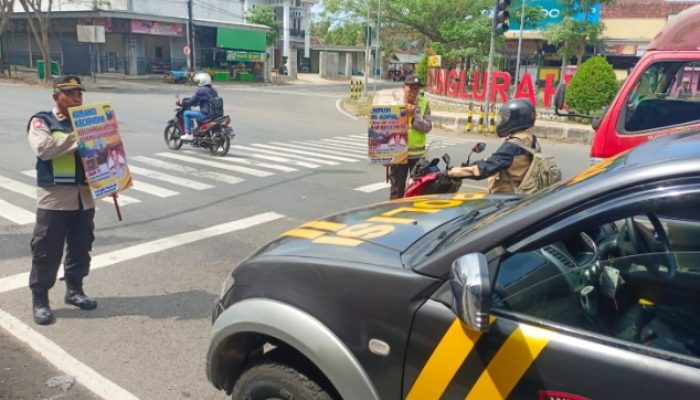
point(542, 172)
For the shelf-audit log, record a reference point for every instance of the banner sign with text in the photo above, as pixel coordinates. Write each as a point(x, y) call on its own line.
point(156, 28)
point(388, 135)
point(101, 149)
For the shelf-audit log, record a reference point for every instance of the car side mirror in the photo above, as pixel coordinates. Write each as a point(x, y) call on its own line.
point(471, 288)
point(559, 98)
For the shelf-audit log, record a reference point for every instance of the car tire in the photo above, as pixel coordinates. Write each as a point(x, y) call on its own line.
point(271, 380)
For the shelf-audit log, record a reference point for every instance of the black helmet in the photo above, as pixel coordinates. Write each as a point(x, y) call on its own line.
point(515, 115)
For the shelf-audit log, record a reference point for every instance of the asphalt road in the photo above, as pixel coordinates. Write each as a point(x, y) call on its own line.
point(188, 220)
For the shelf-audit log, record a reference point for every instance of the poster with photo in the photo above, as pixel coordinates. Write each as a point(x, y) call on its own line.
point(101, 149)
point(388, 135)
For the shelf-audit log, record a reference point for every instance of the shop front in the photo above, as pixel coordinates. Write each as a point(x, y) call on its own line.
point(241, 55)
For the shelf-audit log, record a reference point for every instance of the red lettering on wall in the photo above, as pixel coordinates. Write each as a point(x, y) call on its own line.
point(500, 84)
point(463, 93)
point(453, 83)
point(549, 89)
point(526, 89)
point(480, 85)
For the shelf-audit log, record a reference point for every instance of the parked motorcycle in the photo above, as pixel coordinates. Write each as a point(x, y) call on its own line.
point(213, 134)
point(428, 178)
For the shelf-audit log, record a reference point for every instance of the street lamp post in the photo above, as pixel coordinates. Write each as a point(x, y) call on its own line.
point(520, 45)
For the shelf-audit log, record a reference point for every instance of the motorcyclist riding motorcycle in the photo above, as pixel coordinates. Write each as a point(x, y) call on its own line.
point(201, 98)
point(506, 167)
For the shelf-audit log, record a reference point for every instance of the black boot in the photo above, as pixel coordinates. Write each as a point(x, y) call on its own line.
point(76, 296)
point(40, 307)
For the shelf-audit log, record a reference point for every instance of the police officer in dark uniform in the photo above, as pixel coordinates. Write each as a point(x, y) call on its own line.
point(507, 166)
point(65, 207)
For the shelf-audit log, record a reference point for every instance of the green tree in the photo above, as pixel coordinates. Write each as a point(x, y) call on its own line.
point(573, 35)
point(593, 86)
point(39, 18)
point(265, 15)
point(458, 26)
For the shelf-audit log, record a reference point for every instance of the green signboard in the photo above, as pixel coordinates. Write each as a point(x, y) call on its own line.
point(240, 39)
point(245, 56)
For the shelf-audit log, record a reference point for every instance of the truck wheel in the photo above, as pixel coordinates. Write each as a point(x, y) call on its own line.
point(274, 381)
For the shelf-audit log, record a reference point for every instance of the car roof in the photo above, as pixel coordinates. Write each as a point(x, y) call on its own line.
point(681, 32)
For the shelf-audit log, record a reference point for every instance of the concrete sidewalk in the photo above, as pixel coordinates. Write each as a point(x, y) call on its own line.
point(458, 121)
point(118, 81)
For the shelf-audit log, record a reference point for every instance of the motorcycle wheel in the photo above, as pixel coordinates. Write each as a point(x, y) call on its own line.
point(172, 136)
point(220, 143)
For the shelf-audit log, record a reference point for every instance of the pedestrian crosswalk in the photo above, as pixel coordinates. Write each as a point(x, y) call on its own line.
point(168, 174)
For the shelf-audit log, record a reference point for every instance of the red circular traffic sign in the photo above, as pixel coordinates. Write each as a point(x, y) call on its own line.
point(186, 50)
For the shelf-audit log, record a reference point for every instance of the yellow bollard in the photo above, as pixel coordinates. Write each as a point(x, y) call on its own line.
point(492, 121)
point(470, 121)
point(480, 127)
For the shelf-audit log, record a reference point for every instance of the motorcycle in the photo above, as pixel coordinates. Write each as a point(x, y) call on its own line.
point(213, 134)
point(426, 176)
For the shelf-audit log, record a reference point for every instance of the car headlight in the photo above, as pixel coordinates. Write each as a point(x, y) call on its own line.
point(228, 284)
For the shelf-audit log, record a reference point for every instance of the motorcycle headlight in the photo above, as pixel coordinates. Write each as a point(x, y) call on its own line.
point(228, 284)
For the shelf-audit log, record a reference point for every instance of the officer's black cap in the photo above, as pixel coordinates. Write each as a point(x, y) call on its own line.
point(412, 80)
point(67, 82)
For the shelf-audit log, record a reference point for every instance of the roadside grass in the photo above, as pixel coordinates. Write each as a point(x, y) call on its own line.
point(360, 106)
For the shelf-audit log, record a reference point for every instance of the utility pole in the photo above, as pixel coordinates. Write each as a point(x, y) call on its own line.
point(489, 69)
point(520, 46)
point(190, 37)
point(368, 42)
point(379, 48)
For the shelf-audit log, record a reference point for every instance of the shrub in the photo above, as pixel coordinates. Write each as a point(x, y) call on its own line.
point(593, 86)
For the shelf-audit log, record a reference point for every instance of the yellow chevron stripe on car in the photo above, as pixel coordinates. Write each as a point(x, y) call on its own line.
point(511, 362)
point(448, 356)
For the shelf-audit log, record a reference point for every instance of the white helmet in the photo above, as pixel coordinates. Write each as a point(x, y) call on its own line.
point(202, 79)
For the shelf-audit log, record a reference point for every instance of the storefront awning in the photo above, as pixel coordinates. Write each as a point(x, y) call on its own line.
point(241, 39)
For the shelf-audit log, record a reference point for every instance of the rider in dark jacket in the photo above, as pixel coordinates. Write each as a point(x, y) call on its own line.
point(201, 99)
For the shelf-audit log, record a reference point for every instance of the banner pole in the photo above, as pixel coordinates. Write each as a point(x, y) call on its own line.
point(116, 206)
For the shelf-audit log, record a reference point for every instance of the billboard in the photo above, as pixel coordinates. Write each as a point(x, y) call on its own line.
point(553, 13)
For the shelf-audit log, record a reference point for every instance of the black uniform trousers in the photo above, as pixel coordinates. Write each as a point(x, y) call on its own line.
point(55, 229)
point(398, 175)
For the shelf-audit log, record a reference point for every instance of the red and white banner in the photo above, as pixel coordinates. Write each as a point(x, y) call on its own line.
point(156, 28)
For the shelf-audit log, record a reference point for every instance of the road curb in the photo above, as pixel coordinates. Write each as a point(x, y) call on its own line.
point(555, 132)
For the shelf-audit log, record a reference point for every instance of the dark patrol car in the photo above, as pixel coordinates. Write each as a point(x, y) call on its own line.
point(590, 290)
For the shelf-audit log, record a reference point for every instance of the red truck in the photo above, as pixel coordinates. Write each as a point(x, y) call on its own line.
point(660, 96)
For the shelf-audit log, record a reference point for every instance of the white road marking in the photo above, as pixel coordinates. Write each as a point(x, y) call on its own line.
point(68, 364)
point(216, 164)
point(190, 184)
point(83, 374)
point(105, 260)
point(240, 159)
point(337, 105)
point(346, 142)
point(335, 152)
point(183, 169)
point(308, 153)
point(283, 154)
point(18, 187)
point(280, 159)
point(373, 187)
point(16, 214)
point(30, 172)
point(333, 146)
point(122, 199)
point(153, 189)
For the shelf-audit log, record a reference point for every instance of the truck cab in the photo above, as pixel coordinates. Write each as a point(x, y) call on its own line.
point(660, 96)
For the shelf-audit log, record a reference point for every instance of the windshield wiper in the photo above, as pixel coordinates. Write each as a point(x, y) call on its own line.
point(444, 235)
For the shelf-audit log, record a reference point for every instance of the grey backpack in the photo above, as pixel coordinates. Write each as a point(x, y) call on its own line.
point(542, 172)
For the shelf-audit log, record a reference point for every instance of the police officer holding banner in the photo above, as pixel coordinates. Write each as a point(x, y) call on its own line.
point(419, 124)
point(65, 207)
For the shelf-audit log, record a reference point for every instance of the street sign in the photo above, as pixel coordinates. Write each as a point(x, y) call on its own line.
point(186, 50)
